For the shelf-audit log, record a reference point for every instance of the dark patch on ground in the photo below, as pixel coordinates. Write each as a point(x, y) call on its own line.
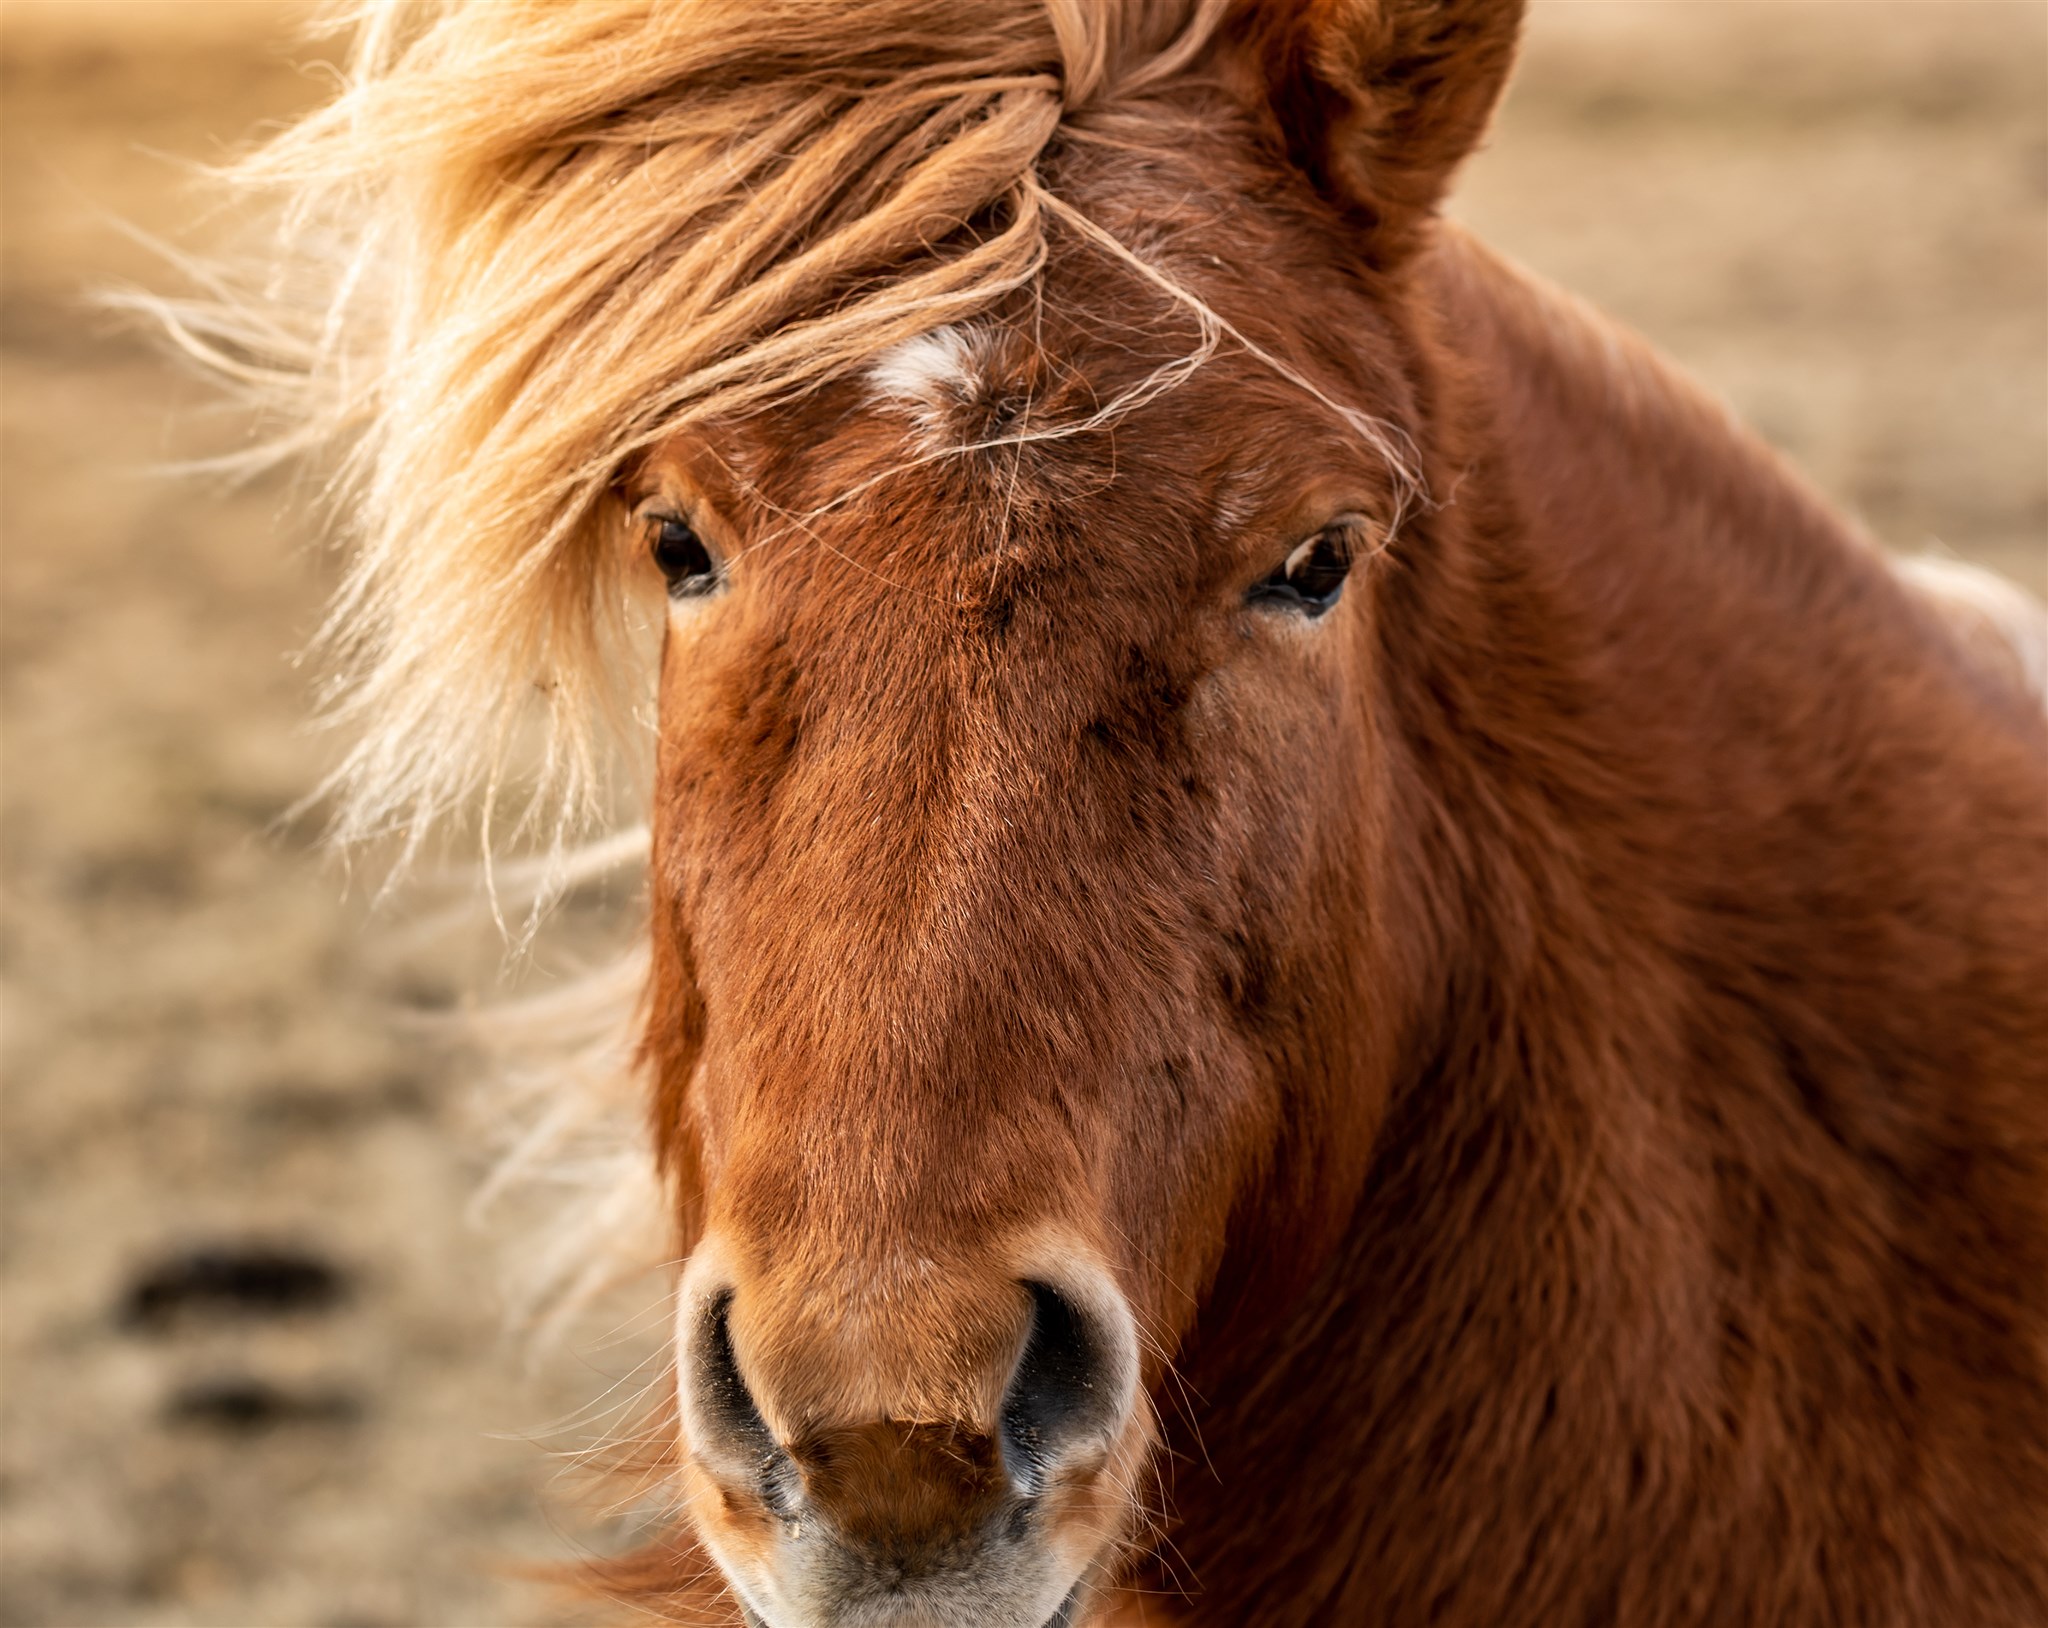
point(243, 1405)
point(214, 1281)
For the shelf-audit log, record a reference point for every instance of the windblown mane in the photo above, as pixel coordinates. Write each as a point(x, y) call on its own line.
point(529, 240)
point(526, 242)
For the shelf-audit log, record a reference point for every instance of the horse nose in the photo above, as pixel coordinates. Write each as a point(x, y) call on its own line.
point(1068, 1391)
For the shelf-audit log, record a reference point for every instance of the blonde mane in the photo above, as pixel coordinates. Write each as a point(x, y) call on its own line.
point(529, 240)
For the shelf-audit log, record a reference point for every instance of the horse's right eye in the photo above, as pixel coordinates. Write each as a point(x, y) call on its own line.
point(683, 558)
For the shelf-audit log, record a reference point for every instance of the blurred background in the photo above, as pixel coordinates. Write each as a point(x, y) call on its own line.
point(252, 1362)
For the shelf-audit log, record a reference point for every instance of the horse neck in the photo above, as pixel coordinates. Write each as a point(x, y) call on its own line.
point(1632, 1070)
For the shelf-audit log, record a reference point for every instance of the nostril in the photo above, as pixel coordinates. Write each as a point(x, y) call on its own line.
point(730, 1404)
point(725, 1426)
point(1059, 1394)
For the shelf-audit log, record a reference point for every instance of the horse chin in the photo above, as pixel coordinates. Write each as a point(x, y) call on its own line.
point(828, 1588)
point(1062, 1618)
point(1067, 1616)
point(1030, 1569)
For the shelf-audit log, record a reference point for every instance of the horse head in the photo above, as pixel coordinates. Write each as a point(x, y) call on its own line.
point(1015, 861)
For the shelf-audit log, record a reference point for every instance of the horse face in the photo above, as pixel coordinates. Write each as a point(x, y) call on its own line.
point(1013, 776)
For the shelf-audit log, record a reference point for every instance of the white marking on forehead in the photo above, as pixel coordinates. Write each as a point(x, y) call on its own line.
point(923, 370)
point(932, 375)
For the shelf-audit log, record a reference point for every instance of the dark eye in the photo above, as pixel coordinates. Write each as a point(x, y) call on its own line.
point(683, 558)
point(1312, 577)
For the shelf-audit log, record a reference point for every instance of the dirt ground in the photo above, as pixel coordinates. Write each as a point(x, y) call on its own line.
point(251, 1347)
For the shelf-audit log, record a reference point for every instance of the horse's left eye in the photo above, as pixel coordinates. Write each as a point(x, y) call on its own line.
point(683, 558)
point(1311, 578)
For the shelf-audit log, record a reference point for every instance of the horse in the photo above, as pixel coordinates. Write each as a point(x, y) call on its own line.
point(1319, 950)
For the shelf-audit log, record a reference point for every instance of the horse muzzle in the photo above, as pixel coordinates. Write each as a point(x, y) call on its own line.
point(1001, 1517)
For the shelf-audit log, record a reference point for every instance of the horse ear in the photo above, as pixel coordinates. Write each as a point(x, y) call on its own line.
point(1379, 100)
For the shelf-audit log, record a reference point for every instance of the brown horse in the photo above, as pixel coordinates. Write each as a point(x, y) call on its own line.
point(1321, 952)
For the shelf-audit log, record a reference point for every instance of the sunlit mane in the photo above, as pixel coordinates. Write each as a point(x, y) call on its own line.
point(528, 240)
